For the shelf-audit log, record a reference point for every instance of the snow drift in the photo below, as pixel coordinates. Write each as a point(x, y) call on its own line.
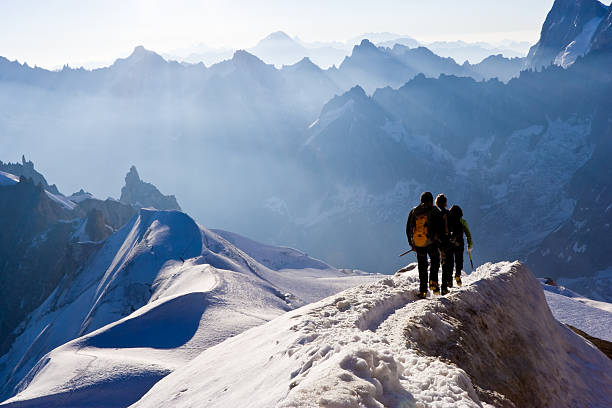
point(492, 342)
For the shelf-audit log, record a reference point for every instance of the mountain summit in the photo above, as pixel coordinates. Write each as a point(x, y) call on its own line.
point(567, 32)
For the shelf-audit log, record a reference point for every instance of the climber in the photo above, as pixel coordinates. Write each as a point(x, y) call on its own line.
point(424, 229)
point(457, 227)
point(446, 250)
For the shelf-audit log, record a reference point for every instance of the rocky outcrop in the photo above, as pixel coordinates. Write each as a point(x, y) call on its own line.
point(142, 194)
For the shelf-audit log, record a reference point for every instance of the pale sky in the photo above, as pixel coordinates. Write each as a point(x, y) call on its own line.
point(50, 33)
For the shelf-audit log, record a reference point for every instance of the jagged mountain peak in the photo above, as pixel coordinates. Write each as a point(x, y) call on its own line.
point(132, 175)
point(142, 194)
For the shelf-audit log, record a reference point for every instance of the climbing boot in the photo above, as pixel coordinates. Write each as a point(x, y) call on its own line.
point(433, 285)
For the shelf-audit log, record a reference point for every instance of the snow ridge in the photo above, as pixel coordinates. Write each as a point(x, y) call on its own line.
point(493, 342)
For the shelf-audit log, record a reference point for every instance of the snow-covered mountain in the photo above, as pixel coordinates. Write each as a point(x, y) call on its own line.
point(569, 32)
point(169, 282)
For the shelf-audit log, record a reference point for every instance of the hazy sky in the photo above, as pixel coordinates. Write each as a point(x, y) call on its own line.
point(50, 33)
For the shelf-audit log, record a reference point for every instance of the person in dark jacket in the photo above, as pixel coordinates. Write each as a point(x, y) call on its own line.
point(457, 228)
point(446, 250)
point(423, 229)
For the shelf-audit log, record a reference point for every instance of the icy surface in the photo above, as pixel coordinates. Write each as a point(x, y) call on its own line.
point(492, 342)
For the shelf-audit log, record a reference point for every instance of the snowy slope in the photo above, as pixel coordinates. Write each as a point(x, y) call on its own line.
point(493, 342)
point(591, 316)
point(159, 291)
point(273, 257)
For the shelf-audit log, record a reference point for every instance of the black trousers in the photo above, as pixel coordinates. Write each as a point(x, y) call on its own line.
point(458, 253)
point(453, 257)
point(447, 266)
point(434, 256)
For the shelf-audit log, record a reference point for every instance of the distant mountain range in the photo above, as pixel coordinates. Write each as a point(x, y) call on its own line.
point(280, 49)
point(298, 154)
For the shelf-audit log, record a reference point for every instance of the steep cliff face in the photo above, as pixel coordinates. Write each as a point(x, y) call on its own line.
point(34, 245)
point(142, 194)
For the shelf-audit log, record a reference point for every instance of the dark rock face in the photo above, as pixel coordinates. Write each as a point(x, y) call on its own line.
point(564, 23)
point(95, 227)
point(115, 213)
point(141, 194)
point(34, 247)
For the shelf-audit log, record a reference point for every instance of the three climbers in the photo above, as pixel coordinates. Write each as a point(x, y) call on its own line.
point(437, 233)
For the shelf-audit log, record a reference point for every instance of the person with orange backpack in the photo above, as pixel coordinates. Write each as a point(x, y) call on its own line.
point(424, 230)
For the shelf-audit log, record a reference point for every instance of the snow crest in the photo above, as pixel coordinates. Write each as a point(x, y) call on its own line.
point(492, 342)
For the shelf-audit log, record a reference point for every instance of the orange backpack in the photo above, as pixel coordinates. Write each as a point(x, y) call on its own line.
point(420, 233)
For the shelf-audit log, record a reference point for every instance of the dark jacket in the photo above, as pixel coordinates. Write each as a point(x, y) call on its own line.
point(458, 227)
point(435, 228)
point(445, 233)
